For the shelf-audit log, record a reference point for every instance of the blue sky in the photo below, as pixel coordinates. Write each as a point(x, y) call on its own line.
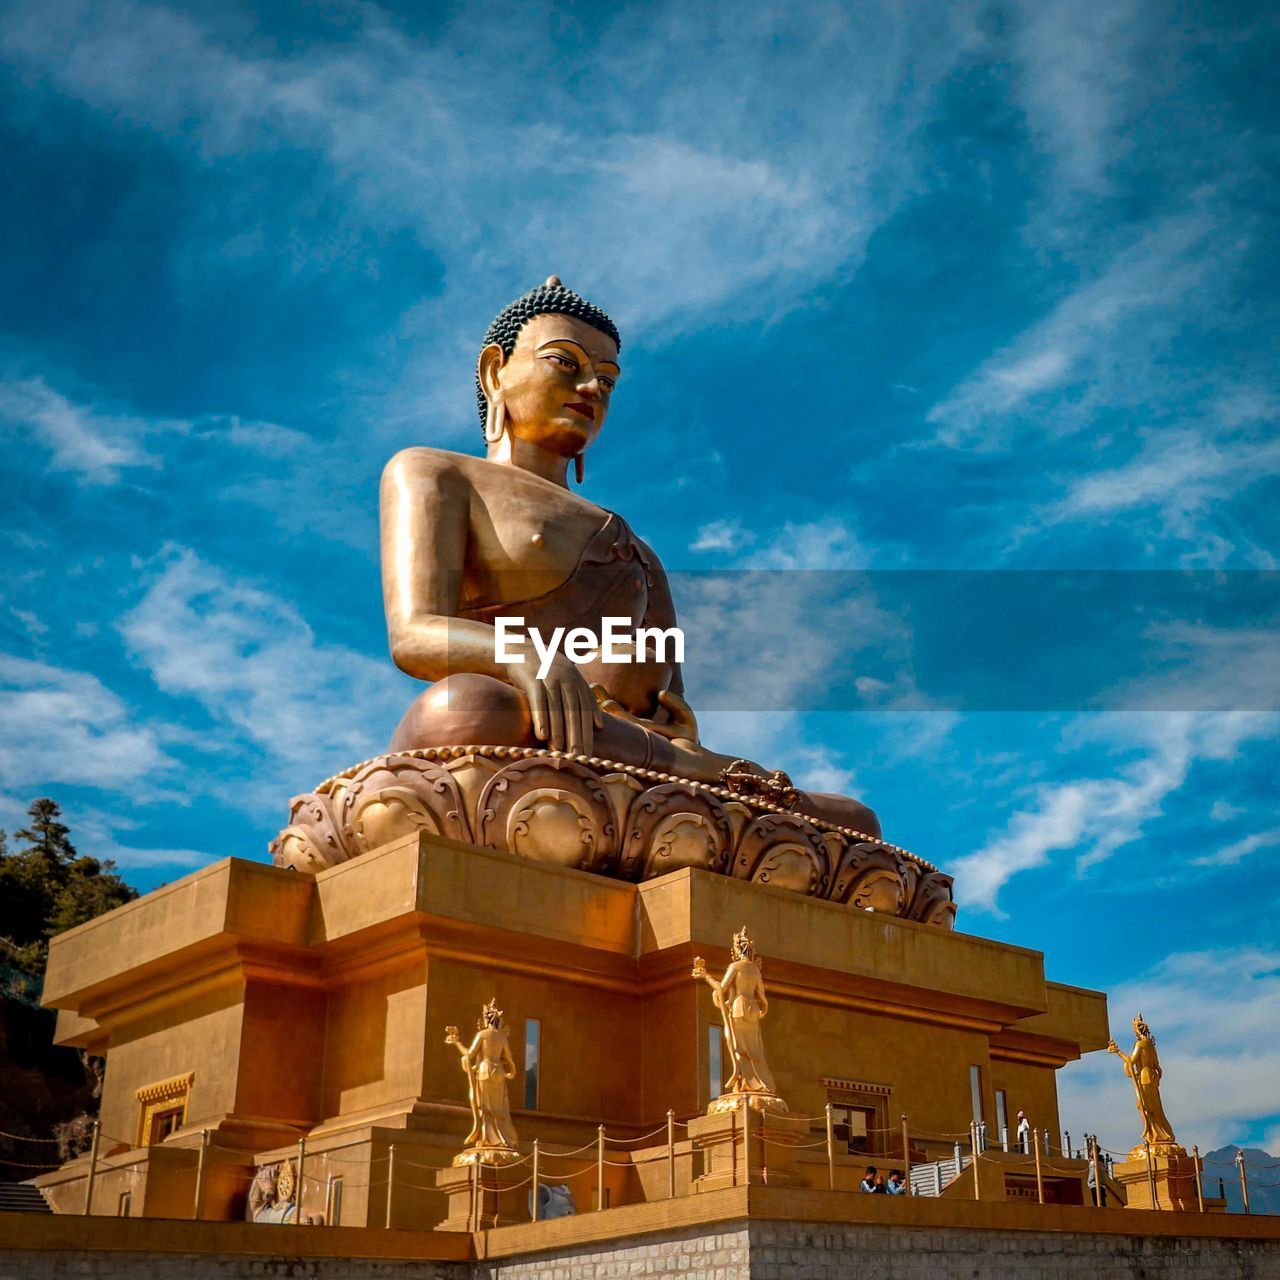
point(950, 287)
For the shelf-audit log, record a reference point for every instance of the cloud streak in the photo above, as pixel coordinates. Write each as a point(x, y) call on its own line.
point(251, 661)
point(94, 447)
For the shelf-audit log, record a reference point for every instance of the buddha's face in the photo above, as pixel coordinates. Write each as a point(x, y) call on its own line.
point(555, 384)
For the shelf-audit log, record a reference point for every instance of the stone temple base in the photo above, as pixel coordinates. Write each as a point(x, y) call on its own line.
point(284, 1008)
point(1174, 1175)
point(755, 1233)
point(476, 1199)
point(745, 1144)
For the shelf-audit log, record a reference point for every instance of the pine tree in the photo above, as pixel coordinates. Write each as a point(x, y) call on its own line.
point(47, 887)
point(46, 837)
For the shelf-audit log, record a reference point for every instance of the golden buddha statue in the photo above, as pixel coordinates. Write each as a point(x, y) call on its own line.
point(466, 540)
point(488, 1065)
point(1142, 1066)
point(560, 765)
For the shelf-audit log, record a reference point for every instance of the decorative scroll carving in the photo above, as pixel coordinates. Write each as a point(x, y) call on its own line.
point(598, 815)
point(870, 878)
point(932, 903)
point(550, 810)
point(671, 826)
point(397, 796)
point(785, 851)
point(313, 839)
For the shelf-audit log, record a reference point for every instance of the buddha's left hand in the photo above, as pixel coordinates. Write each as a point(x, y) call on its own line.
point(683, 724)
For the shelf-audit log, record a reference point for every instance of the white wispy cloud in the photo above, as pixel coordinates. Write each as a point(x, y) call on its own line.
point(661, 172)
point(829, 543)
point(253, 663)
point(1074, 77)
point(1098, 340)
point(59, 726)
point(1239, 850)
point(722, 535)
point(1090, 817)
point(1213, 1014)
point(95, 446)
point(1184, 477)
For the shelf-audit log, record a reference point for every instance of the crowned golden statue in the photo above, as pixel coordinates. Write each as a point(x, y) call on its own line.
point(488, 1065)
point(470, 542)
point(1142, 1066)
point(741, 1000)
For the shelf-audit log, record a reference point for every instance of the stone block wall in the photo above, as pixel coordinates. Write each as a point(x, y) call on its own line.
point(100, 1264)
point(792, 1251)
point(754, 1250)
point(697, 1254)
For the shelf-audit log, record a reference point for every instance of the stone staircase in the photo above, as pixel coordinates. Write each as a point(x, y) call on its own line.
point(929, 1179)
point(22, 1197)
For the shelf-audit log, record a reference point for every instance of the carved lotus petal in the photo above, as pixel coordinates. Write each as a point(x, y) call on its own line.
point(397, 796)
point(785, 851)
point(312, 841)
point(933, 903)
point(673, 826)
point(870, 876)
point(552, 826)
point(551, 810)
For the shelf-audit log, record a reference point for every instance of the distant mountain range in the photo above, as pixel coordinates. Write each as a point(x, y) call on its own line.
point(1262, 1170)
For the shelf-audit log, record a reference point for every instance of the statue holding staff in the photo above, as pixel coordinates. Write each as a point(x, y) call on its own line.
point(488, 1064)
point(741, 1000)
point(1142, 1066)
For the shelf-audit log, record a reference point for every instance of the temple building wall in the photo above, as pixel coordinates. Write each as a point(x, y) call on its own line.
point(266, 1007)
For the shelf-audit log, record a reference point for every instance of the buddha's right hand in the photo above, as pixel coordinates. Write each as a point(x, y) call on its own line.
point(561, 705)
point(682, 726)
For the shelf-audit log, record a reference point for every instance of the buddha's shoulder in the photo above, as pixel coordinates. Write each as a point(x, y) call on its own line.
point(425, 462)
point(442, 472)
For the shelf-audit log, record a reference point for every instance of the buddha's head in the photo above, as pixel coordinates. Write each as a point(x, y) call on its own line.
point(491, 1016)
point(743, 947)
point(1141, 1029)
point(547, 369)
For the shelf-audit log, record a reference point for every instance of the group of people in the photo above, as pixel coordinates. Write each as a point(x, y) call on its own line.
point(875, 1183)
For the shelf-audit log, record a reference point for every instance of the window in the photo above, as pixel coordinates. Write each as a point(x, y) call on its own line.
point(333, 1210)
point(1002, 1116)
point(715, 1062)
point(165, 1122)
point(859, 1114)
point(851, 1125)
point(532, 1044)
point(975, 1093)
point(124, 1209)
point(162, 1109)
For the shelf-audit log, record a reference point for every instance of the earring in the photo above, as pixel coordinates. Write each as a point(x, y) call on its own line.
point(495, 422)
point(579, 467)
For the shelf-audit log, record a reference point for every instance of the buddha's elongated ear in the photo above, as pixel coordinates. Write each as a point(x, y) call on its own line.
point(492, 358)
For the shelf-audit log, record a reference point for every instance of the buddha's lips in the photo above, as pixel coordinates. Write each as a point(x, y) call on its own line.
point(584, 409)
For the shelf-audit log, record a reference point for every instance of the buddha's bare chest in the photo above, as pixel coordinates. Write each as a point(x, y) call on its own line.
point(526, 528)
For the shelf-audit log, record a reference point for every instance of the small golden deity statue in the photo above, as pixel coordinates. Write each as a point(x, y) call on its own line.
point(1142, 1066)
point(488, 1064)
point(743, 1005)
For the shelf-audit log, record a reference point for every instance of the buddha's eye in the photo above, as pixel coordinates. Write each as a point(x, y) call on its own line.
point(609, 383)
point(563, 361)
